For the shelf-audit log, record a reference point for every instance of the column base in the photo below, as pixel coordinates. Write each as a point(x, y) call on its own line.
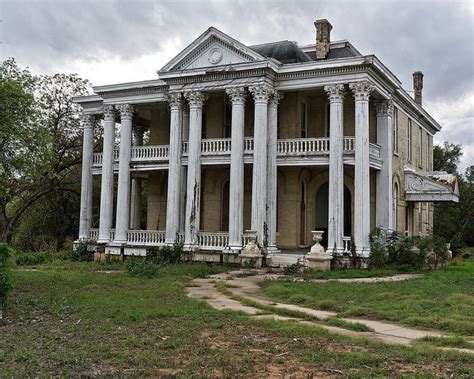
point(190, 247)
point(363, 252)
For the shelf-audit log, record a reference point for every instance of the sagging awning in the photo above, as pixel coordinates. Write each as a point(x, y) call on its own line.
point(431, 186)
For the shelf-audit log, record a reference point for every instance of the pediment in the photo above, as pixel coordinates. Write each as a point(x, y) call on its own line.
point(212, 48)
point(430, 187)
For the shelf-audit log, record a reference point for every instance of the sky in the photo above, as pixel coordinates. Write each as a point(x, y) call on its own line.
point(108, 41)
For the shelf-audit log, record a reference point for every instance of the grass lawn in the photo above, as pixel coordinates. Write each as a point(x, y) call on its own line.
point(442, 299)
point(86, 319)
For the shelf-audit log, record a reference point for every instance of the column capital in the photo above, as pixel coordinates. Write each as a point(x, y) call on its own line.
point(275, 99)
point(237, 95)
point(175, 100)
point(335, 93)
point(384, 108)
point(261, 92)
point(126, 111)
point(87, 121)
point(109, 112)
point(196, 99)
point(361, 90)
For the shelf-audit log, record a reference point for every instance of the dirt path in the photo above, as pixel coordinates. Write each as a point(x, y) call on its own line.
point(245, 288)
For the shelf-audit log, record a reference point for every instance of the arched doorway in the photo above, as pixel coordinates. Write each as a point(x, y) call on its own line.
point(322, 212)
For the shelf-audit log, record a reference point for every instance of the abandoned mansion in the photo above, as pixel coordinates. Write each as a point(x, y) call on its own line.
point(235, 143)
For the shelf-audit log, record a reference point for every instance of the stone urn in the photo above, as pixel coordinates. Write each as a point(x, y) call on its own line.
point(318, 259)
point(251, 253)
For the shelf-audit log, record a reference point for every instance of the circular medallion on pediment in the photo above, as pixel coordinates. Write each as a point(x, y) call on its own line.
point(215, 55)
point(417, 184)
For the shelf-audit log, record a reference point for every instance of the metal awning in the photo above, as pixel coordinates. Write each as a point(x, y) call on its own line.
point(431, 186)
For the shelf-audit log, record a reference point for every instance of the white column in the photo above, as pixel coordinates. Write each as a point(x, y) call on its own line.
point(236, 200)
point(86, 182)
point(184, 138)
point(260, 93)
point(384, 207)
point(174, 170)
point(107, 182)
point(272, 177)
point(361, 91)
point(336, 168)
point(123, 190)
point(136, 187)
point(193, 193)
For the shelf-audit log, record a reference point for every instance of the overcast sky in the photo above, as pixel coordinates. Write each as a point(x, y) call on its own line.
point(120, 41)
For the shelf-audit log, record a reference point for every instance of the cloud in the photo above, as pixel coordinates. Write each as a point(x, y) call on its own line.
point(117, 41)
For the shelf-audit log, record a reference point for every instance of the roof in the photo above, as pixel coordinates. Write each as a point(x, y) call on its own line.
point(283, 51)
point(290, 52)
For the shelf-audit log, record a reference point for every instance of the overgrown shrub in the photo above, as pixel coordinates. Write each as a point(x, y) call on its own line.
point(378, 249)
point(293, 269)
point(33, 259)
point(440, 253)
point(141, 267)
point(406, 253)
point(5, 279)
point(82, 253)
point(166, 254)
point(155, 259)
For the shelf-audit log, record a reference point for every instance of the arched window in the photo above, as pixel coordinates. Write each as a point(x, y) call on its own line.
point(303, 226)
point(225, 207)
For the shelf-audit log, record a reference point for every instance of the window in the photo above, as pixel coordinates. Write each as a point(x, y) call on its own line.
point(328, 119)
point(420, 150)
point(409, 139)
point(304, 121)
point(427, 219)
point(227, 120)
point(395, 131)
point(409, 219)
point(427, 152)
point(395, 206)
point(420, 218)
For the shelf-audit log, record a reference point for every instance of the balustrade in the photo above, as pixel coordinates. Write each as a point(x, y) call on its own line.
point(150, 153)
point(348, 144)
point(222, 146)
point(146, 237)
point(303, 146)
point(346, 241)
point(213, 241)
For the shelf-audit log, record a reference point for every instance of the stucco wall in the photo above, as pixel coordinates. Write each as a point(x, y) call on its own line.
point(401, 160)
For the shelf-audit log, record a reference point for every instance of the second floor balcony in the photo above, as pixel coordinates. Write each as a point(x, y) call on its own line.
point(290, 152)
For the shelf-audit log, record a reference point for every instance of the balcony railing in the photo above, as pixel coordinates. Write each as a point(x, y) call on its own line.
point(303, 146)
point(150, 153)
point(293, 147)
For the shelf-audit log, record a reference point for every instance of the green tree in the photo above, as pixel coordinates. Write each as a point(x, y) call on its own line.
point(40, 139)
point(5, 280)
point(454, 222)
point(447, 157)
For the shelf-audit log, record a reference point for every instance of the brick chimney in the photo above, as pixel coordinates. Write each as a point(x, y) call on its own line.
point(418, 86)
point(323, 37)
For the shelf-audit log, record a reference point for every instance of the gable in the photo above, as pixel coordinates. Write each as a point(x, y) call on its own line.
point(212, 48)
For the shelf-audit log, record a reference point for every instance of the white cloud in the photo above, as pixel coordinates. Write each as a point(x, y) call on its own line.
point(456, 115)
